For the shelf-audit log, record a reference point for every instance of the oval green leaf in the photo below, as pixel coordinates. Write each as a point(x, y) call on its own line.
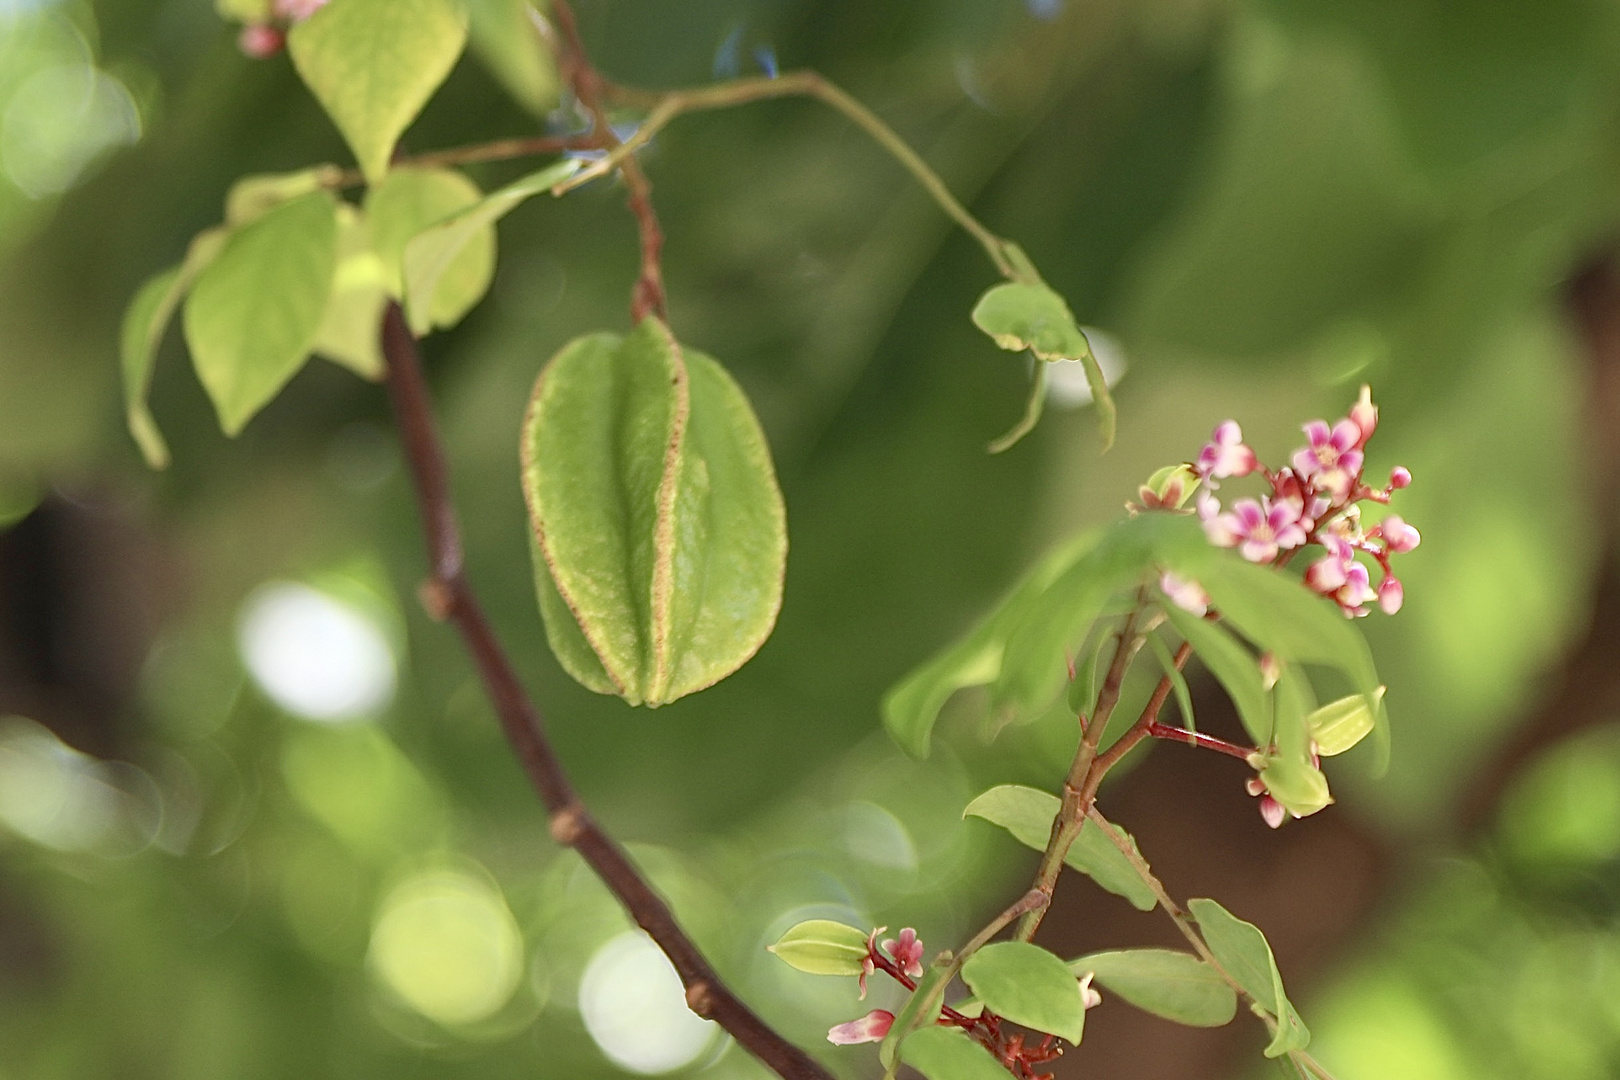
point(373, 64)
point(435, 253)
point(1029, 315)
point(253, 314)
point(1233, 665)
point(1027, 985)
point(822, 947)
point(350, 331)
point(1244, 953)
point(1175, 985)
point(946, 1053)
point(1027, 813)
point(409, 200)
point(656, 512)
point(506, 39)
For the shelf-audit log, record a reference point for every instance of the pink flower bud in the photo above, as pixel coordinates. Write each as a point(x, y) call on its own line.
point(1270, 669)
point(870, 1028)
point(1365, 415)
point(258, 41)
point(1272, 811)
point(1398, 535)
point(1089, 997)
point(1187, 595)
point(1326, 575)
point(1390, 595)
point(1399, 477)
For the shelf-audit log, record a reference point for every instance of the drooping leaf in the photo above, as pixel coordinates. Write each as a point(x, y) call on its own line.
point(920, 1011)
point(254, 196)
point(432, 253)
point(409, 200)
point(1243, 951)
point(1027, 813)
point(254, 311)
point(1027, 315)
point(373, 64)
point(656, 510)
point(1233, 666)
point(1029, 986)
point(506, 39)
point(947, 1053)
point(1175, 985)
point(145, 321)
point(1054, 624)
point(912, 705)
point(350, 329)
point(822, 947)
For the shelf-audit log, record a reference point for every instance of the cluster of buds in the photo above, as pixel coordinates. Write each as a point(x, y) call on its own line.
point(264, 38)
point(1313, 500)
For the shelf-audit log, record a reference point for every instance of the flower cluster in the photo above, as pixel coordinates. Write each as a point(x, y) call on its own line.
point(1315, 499)
point(259, 40)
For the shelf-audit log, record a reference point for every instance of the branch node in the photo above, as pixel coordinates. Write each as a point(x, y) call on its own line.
point(700, 998)
point(568, 824)
point(437, 598)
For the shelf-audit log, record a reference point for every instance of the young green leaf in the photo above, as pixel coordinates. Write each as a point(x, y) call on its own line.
point(145, 320)
point(1243, 951)
point(1175, 985)
point(947, 1053)
point(655, 507)
point(1029, 986)
point(434, 253)
point(373, 64)
point(911, 707)
point(1028, 315)
point(822, 947)
point(1234, 666)
point(506, 39)
point(254, 311)
point(408, 201)
point(254, 196)
point(1027, 813)
point(349, 333)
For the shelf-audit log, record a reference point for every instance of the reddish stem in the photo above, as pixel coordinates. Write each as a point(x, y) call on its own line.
point(1193, 738)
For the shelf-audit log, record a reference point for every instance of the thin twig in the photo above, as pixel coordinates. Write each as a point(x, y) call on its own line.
point(476, 153)
point(448, 596)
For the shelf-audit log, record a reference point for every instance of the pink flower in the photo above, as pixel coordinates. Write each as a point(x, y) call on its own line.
point(870, 1028)
point(1398, 535)
point(1258, 529)
point(1364, 414)
point(1187, 595)
point(907, 952)
point(1225, 455)
point(259, 42)
point(1331, 458)
point(1390, 595)
point(1356, 591)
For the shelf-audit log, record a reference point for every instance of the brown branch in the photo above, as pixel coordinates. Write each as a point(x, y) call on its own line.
point(496, 150)
point(591, 88)
point(448, 596)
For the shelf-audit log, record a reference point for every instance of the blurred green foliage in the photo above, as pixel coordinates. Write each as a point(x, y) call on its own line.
point(1266, 203)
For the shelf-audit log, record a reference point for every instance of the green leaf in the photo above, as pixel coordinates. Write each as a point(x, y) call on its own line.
point(1340, 725)
point(1028, 813)
point(1029, 986)
point(1243, 951)
point(373, 64)
point(1053, 625)
point(254, 196)
point(911, 707)
point(350, 333)
point(433, 253)
point(1233, 666)
point(920, 1011)
point(1083, 687)
point(506, 39)
point(1175, 985)
point(655, 506)
point(145, 320)
point(822, 947)
point(253, 313)
point(1028, 315)
point(244, 11)
point(408, 201)
point(947, 1053)
point(1292, 702)
point(1178, 682)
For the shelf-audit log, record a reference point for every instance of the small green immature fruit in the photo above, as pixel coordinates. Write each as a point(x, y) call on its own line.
point(823, 947)
point(660, 537)
point(1341, 724)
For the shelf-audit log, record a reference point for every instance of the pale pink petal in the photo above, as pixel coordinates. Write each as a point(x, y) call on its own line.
point(1400, 536)
point(1254, 787)
point(1318, 433)
point(1259, 551)
point(1390, 595)
point(1326, 575)
point(1089, 997)
point(1223, 530)
point(1290, 536)
point(1346, 434)
point(1365, 415)
point(1272, 811)
point(1227, 433)
point(1249, 515)
point(1305, 463)
point(1351, 461)
point(1186, 595)
point(870, 1028)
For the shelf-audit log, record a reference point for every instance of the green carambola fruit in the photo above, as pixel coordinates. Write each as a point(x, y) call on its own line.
point(660, 537)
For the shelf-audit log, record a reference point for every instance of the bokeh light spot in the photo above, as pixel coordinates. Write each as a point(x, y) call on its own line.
point(1066, 385)
point(315, 655)
point(445, 943)
point(634, 1006)
point(50, 793)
